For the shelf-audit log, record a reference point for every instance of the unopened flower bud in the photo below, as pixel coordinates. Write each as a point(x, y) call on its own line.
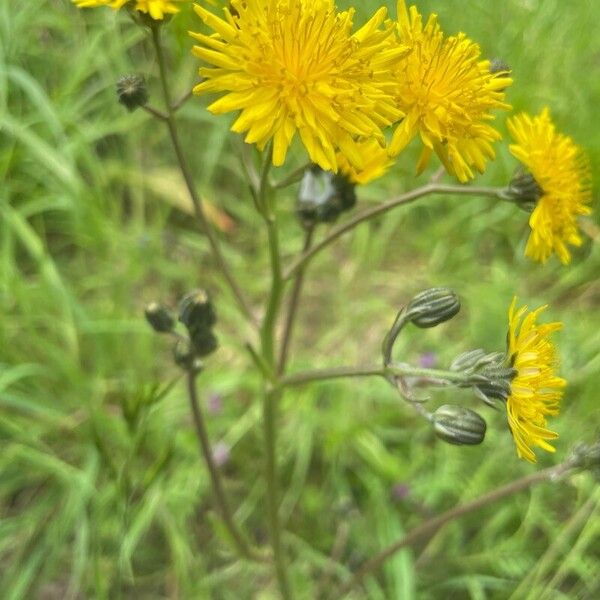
point(458, 425)
point(196, 311)
point(432, 307)
point(323, 196)
point(132, 92)
point(203, 341)
point(159, 317)
point(183, 355)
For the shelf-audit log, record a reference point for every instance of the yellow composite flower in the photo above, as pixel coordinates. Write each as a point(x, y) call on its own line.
point(535, 390)
point(294, 66)
point(376, 161)
point(447, 93)
point(562, 172)
point(157, 9)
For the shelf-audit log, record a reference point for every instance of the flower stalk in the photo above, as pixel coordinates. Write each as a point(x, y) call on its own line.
point(237, 536)
point(379, 209)
point(432, 525)
point(268, 359)
point(189, 179)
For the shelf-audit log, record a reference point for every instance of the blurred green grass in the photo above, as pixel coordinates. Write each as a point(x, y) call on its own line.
point(101, 490)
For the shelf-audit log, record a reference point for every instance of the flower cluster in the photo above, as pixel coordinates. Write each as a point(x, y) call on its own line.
point(297, 67)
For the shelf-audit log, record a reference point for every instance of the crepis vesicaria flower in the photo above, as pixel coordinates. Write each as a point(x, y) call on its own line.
point(535, 390)
point(447, 93)
point(157, 9)
point(562, 173)
point(375, 163)
point(294, 66)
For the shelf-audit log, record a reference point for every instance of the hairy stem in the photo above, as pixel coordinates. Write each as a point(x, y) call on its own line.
point(393, 370)
point(238, 538)
point(432, 525)
point(189, 179)
point(366, 215)
point(293, 307)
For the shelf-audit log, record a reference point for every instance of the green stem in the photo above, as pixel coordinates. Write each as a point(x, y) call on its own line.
point(189, 179)
point(392, 370)
point(366, 215)
point(272, 394)
point(434, 524)
point(217, 486)
point(293, 307)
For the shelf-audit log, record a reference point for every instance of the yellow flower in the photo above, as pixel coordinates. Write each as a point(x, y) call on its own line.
point(294, 66)
point(447, 94)
point(535, 391)
point(562, 172)
point(376, 161)
point(157, 9)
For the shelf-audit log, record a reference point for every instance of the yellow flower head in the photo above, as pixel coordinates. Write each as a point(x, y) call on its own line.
point(157, 9)
point(562, 172)
point(294, 66)
point(447, 94)
point(376, 161)
point(535, 391)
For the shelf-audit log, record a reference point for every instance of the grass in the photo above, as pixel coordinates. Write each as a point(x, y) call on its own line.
point(102, 493)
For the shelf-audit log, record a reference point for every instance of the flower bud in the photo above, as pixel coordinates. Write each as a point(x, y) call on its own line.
point(196, 310)
point(323, 196)
point(432, 307)
point(159, 317)
point(132, 92)
point(183, 355)
point(203, 341)
point(458, 425)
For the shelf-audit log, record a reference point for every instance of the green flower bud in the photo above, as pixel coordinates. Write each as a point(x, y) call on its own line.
point(487, 374)
point(159, 317)
point(323, 196)
point(458, 425)
point(432, 307)
point(131, 91)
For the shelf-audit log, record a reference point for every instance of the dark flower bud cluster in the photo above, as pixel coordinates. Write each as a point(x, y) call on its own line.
point(197, 313)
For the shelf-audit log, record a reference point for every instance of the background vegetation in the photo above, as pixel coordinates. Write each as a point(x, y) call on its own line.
point(102, 493)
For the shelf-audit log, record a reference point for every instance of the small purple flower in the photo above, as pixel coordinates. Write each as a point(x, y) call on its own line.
point(214, 404)
point(221, 453)
point(400, 492)
point(428, 360)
